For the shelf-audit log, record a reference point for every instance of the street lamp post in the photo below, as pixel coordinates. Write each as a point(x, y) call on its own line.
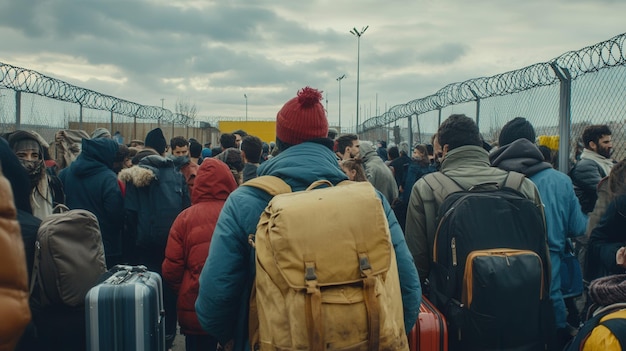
point(246, 96)
point(339, 79)
point(358, 34)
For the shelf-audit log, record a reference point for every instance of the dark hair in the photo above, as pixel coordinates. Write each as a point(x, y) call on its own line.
point(345, 141)
point(617, 178)
point(457, 131)
point(355, 164)
point(429, 149)
point(546, 152)
point(216, 151)
point(228, 140)
point(195, 149)
point(178, 141)
point(424, 150)
point(282, 146)
point(240, 132)
point(594, 133)
point(393, 152)
point(122, 153)
point(252, 146)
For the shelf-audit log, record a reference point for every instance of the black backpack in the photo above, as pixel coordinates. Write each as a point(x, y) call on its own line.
point(490, 274)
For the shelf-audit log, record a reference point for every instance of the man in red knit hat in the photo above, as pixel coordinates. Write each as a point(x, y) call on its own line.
point(305, 156)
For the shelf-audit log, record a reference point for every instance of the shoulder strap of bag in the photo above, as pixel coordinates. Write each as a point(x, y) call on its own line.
point(583, 333)
point(270, 184)
point(617, 326)
point(514, 180)
point(442, 185)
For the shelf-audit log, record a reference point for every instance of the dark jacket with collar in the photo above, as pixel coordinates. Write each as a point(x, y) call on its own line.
point(91, 184)
point(155, 194)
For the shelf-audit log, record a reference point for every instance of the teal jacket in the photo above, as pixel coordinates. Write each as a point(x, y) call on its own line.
point(227, 276)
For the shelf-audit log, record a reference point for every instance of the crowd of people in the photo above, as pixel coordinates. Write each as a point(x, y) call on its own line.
point(180, 209)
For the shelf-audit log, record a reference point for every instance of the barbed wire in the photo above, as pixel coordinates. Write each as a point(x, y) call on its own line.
point(25, 80)
point(593, 58)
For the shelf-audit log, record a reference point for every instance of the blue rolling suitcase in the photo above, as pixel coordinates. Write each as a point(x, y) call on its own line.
point(125, 311)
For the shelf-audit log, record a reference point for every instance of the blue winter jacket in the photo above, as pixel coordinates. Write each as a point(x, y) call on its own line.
point(227, 277)
point(91, 184)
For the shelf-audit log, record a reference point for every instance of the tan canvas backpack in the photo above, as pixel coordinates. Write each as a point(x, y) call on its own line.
point(326, 278)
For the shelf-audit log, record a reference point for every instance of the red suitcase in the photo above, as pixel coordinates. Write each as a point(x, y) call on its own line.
point(430, 333)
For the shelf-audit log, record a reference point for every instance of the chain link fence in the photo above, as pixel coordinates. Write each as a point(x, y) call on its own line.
point(568, 93)
point(32, 101)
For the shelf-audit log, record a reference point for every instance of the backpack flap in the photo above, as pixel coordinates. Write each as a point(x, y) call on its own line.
point(296, 235)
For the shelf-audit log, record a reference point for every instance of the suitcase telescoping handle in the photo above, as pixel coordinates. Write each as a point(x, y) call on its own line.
point(124, 272)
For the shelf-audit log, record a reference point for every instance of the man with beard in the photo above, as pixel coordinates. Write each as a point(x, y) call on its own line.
point(46, 188)
point(595, 163)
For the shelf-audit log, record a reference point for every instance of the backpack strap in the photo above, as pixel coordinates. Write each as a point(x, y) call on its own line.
point(617, 326)
point(442, 185)
point(514, 180)
point(583, 333)
point(270, 184)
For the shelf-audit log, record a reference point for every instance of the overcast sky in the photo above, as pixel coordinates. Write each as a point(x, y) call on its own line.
point(211, 53)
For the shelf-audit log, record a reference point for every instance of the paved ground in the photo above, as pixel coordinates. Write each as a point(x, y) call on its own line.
point(179, 342)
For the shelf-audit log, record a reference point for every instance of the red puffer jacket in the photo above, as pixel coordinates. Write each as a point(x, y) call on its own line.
point(190, 237)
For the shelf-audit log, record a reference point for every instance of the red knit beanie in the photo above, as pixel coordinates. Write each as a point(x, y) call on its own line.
point(302, 118)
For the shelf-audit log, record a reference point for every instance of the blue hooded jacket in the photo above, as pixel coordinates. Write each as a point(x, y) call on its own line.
point(91, 184)
point(227, 277)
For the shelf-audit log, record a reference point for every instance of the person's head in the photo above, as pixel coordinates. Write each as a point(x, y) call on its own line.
point(393, 153)
point(179, 146)
point(348, 146)
point(457, 131)
point(228, 140)
point(382, 144)
point(28, 149)
point(437, 151)
point(136, 144)
point(251, 148)
point(332, 133)
point(302, 119)
point(597, 138)
point(517, 128)
point(17, 176)
point(195, 149)
point(353, 168)
point(156, 141)
point(617, 178)
point(101, 133)
point(122, 157)
point(239, 135)
point(403, 148)
point(420, 154)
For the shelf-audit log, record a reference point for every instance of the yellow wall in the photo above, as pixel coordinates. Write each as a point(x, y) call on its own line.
point(265, 130)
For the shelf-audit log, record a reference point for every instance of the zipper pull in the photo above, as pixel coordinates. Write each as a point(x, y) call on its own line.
point(453, 246)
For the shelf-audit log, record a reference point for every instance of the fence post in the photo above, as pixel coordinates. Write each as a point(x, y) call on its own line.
point(439, 120)
point(411, 129)
point(477, 107)
point(111, 124)
point(18, 110)
point(565, 115)
point(134, 127)
point(80, 117)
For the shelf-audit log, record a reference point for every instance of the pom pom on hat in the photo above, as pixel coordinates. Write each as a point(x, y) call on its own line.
point(302, 118)
point(156, 140)
point(517, 128)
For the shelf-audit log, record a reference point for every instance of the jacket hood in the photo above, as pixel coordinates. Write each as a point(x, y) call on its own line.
point(367, 151)
point(302, 164)
point(214, 181)
point(17, 176)
point(148, 169)
point(96, 156)
point(520, 156)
